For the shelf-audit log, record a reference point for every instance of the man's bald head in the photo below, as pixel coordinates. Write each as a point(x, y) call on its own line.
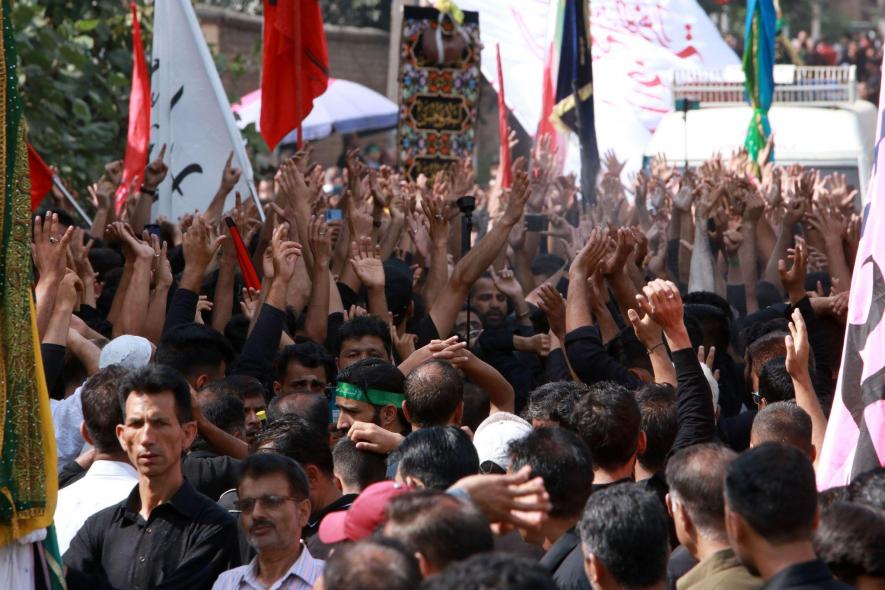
point(434, 395)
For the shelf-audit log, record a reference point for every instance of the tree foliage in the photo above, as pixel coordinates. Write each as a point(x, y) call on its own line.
point(75, 64)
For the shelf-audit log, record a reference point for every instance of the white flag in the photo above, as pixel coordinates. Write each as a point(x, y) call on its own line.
point(636, 47)
point(191, 115)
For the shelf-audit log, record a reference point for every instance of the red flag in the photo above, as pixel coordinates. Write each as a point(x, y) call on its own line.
point(503, 129)
point(41, 177)
point(139, 135)
point(294, 67)
point(548, 99)
point(250, 277)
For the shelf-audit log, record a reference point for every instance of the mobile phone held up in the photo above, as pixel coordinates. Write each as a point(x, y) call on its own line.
point(535, 222)
point(333, 215)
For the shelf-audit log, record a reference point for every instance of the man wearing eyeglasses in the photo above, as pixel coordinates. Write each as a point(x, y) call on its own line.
point(274, 506)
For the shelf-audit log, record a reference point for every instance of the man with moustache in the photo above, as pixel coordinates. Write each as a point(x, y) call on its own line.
point(275, 506)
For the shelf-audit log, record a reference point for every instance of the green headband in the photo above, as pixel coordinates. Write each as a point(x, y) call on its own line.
point(376, 397)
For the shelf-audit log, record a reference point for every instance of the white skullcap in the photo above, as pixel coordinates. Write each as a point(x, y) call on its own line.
point(494, 435)
point(132, 352)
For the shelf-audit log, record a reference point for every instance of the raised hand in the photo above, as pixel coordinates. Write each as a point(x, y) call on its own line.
point(199, 249)
point(519, 193)
point(793, 279)
point(647, 330)
point(285, 254)
point(798, 346)
point(553, 306)
point(505, 281)
point(320, 240)
point(50, 247)
point(249, 304)
point(367, 263)
point(230, 176)
point(661, 300)
point(203, 304)
point(156, 171)
point(587, 260)
point(616, 261)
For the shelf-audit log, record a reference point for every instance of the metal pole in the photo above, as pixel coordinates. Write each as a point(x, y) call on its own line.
point(57, 183)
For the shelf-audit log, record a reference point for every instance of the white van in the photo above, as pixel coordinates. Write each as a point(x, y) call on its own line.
point(816, 119)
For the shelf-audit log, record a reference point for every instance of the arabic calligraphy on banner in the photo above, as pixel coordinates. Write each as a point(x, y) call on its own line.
point(636, 45)
point(439, 90)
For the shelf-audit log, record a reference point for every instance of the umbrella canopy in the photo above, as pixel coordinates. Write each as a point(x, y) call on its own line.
point(345, 107)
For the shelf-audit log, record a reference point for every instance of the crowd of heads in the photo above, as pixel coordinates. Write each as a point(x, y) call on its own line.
point(647, 369)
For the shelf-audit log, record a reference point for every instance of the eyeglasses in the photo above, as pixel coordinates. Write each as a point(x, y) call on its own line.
point(757, 399)
point(247, 505)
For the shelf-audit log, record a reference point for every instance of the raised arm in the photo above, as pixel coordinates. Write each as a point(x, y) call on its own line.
point(798, 348)
point(471, 266)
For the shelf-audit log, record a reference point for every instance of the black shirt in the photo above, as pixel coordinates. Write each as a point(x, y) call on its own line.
point(185, 543)
point(316, 547)
point(210, 473)
point(565, 562)
point(805, 576)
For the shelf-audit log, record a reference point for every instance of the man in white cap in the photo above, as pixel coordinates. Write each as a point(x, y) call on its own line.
point(130, 352)
point(493, 438)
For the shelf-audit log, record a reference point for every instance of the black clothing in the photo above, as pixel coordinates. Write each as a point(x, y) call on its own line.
point(592, 363)
point(181, 310)
point(211, 474)
point(680, 563)
point(811, 575)
point(601, 486)
point(53, 367)
point(695, 415)
point(70, 473)
point(261, 346)
point(735, 431)
point(185, 543)
point(522, 370)
point(309, 533)
point(565, 562)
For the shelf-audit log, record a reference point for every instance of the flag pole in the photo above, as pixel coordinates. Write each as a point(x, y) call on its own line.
point(299, 91)
point(57, 183)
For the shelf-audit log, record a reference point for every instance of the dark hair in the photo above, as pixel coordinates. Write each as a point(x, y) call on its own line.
point(153, 379)
point(772, 487)
point(193, 349)
point(629, 351)
point(494, 571)
point(227, 413)
point(562, 459)
point(554, 402)
point(783, 422)
point(476, 406)
point(439, 526)
point(433, 391)
point(104, 260)
point(715, 315)
point(869, 488)
point(101, 408)
point(357, 468)
point(657, 409)
point(375, 374)
point(851, 540)
point(362, 326)
point(307, 354)
point(831, 496)
point(371, 564)
point(775, 383)
point(608, 419)
point(240, 386)
point(763, 349)
point(313, 407)
point(626, 528)
point(298, 439)
point(261, 464)
point(438, 456)
point(547, 265)
point(696, 477)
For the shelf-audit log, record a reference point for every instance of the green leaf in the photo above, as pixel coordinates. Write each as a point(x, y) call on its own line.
point(81, 109)
point(84, 26)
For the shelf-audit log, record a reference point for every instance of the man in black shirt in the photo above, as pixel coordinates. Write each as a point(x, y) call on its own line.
point(165, 533)
point(563, 460)
point(770, 515)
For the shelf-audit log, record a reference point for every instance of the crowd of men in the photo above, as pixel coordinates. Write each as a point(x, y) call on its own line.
point(630, 393)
